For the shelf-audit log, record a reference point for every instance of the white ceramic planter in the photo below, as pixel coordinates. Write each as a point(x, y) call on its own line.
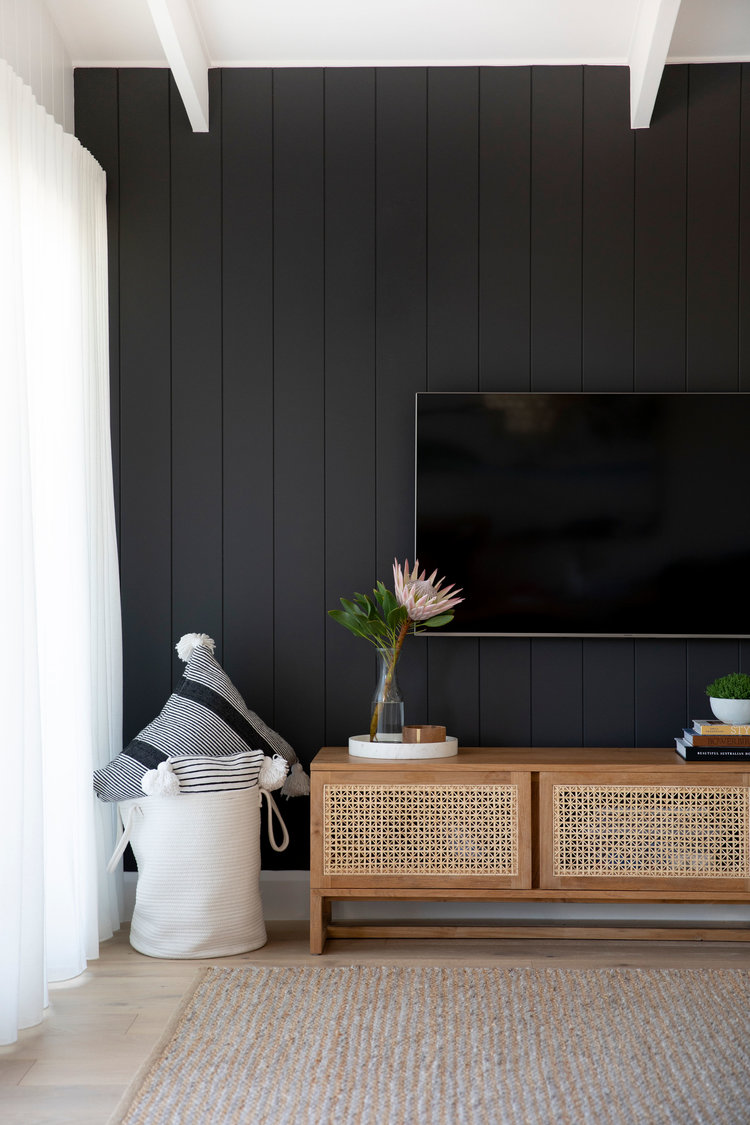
point(734, 711)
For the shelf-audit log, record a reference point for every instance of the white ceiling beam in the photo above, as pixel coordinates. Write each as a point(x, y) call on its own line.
point(652, 34)
point(182, 42)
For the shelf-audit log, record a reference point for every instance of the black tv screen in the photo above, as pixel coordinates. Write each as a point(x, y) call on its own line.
point(587, 514)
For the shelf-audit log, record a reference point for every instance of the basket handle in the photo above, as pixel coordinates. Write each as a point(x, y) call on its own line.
point(271, 805)
point(273, 810)
point(124, 840)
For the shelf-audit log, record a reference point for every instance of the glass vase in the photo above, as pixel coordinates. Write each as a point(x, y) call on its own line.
point(387, 710)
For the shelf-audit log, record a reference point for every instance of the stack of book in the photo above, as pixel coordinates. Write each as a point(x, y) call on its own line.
point(712, 741)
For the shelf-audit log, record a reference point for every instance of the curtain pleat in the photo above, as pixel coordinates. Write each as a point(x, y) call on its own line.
point(60, 652)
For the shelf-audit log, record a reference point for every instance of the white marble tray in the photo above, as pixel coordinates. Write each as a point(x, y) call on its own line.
point(361, 747)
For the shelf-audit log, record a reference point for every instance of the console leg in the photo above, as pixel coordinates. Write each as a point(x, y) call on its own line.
point(320, 916)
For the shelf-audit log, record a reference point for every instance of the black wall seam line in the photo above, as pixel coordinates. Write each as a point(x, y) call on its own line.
point(324, 388)
point(686, 296)
point(220, 92)
point(582, 167)
point(738, 382)
point(171, 377)
point(272, 111)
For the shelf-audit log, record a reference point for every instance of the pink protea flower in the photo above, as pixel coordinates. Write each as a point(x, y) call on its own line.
point(422, 597)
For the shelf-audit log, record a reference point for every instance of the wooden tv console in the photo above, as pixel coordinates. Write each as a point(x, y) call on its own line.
point(525, 825)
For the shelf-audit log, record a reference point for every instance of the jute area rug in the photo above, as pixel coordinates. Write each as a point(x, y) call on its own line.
point(370, 1045)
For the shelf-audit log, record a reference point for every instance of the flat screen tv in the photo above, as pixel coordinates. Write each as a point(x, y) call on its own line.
point(593, 515)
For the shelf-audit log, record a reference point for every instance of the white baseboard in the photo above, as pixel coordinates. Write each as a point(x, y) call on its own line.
point(286, 898)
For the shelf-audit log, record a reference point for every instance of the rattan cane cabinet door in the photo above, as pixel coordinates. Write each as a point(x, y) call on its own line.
point(645, 831)
point(408, 829)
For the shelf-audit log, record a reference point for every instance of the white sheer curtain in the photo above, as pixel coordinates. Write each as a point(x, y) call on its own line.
point(60, 648)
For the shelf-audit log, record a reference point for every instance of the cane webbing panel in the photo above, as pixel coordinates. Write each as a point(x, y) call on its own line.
point(420, 829)
point(663, 831)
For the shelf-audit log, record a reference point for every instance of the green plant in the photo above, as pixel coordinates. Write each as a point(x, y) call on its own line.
point(735, 685)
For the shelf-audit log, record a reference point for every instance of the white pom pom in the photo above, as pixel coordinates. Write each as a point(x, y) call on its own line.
point(161, 782)
point(273, 772)
point(298, 783)
point(190, 641)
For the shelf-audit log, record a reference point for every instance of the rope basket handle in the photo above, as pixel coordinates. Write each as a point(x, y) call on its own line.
point(124, 840)
point(273, 809)
point(127, 828)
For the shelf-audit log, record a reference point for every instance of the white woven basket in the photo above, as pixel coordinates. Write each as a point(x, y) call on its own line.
point(198, 857)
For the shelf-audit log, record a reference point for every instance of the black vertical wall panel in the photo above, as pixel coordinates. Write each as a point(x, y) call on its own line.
point(660, 217)
point(661, 335)
point(607, 290)
point(400, 339)
point(608, 688)
point(713, 227)
point(660, 691)
point(350, 385)
point(299, 437)
point(556, 311)
point(504, 227)
point(452, 336)
point(505, 691)
point(504, 342)
point(307, 274)
point(97, 128)
point(247, 351)
point(145, 395)
point(557, 692)
point(196, 374)
point(452, 228)
point(556, 185)
point(744, 233)
point(607, 237)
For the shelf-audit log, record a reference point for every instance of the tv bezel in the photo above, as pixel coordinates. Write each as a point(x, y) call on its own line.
point(564, 634)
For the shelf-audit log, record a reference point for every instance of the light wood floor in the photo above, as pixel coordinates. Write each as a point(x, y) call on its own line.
point(99, 1028)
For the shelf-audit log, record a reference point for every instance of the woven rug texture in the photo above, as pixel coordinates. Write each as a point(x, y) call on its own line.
point(373, 1045)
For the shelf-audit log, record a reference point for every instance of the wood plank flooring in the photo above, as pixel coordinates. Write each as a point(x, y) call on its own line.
point(73, 1067)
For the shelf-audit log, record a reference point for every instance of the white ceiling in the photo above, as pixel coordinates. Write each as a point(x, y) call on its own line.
point(387, 32)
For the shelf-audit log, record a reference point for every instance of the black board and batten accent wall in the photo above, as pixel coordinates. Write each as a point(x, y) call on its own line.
point(340, 239)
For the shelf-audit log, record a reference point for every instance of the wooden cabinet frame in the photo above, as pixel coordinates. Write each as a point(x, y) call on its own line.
point(623, 816)
point(410, 782)
point(363, 810)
